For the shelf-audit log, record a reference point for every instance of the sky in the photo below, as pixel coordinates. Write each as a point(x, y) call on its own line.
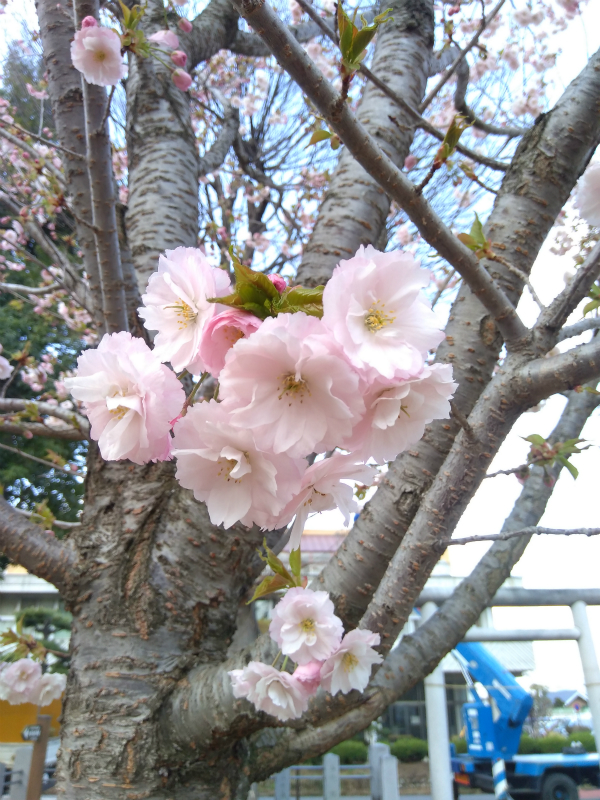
point(549, 562)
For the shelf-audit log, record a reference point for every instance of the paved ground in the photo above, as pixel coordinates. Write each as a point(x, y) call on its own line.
point(584, 794)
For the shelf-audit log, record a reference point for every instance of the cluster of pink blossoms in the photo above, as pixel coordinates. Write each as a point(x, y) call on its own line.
point(97, 53)
point(306, 629)
point(22, 681)
point(289, 386)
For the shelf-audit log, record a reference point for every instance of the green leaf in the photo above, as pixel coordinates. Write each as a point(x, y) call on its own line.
point(319, 136)
point(478, 234)
point(566, 463)
point(296, 562)
point(301, 296)
point(468, 240)
point(591, 306)
point(276, 564)
point(353, 42)
point(535, 438)
point(272, 583)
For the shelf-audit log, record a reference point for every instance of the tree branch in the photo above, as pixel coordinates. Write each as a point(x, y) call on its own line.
point(43, 461)
point(20, 287)
point(533, 531)
point(215, 155)
point(7, 425)
point(18, 143)
point(589, 324)
point(462, 55)
point(78, 421)
point(365, 150)
point(41, 554)
point(57, 523)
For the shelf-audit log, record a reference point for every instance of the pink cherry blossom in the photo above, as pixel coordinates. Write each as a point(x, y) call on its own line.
point(224, 469)
point(396, 415)
point(278, 282)
point(322, 490)
point(305, 627)
point(375, 310)
point(410, 162)
point(277, 693)
point(309, 676)
point(165, 39)
point(181, 79)
point(176, 305)
point(5, 368)
point(179, 58)
point(96, 52)
point(350, 666)
point(129, 398)
point(19, 681)
point(50, 687)
point(184, 25)
point(221, 333)
point(588, 194)
point(89, 22)
point(291, 385)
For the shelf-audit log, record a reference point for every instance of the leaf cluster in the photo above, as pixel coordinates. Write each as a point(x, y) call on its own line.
point(546, 455)
point(255, 293)
point(476, 240)
point(283, 578)
point(354, 41)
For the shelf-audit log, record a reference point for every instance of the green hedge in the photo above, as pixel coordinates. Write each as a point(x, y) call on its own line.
point(351, 752)
point(409, 748)
point(554, 743)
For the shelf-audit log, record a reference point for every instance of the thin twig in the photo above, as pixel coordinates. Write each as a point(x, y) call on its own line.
point(107, 112)
point(532, 531)
point(20, 287)
point(57, 522)
point(578, 328)
point(462, 55)
point(41, 139)
point(39, 460)
point(520, 274)
point(463, 422)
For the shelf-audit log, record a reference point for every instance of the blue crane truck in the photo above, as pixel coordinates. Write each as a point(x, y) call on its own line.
point(493, 724)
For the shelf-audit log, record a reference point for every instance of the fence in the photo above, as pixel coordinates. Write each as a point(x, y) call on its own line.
point(381, 772)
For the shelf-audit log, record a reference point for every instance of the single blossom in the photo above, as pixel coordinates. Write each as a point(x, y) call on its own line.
point(19, 681)
point(184, 25)
point(96, 53)
point(305, 627)
point(50, 687)
point(277, 693)
point(397, 414)
point(5, 368)
point(588, 194)
point(350, 666)
point(374, 307)
point(165, 39)
point(224, 469)
point(309, 677)
point(291, 385)
point(89, 22)
point(176, 305)
point(221, 333)
point(322, 489)
point(179, 58)
point(181, 79)
point(129, 398)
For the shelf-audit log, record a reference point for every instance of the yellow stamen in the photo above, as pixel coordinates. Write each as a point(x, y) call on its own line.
point(291, 386)
point(185, 312)
point(119, 412)
point(349, 662)
point(308, 625)
point(376, 318)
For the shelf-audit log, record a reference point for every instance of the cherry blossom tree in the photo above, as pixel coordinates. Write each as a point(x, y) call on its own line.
point(227, 214)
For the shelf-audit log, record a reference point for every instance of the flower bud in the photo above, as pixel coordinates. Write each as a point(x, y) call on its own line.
point(89, 22)
point(184, 25)
point(278, 282)
point(182, 79)
point(410, 162)
point(178, 57)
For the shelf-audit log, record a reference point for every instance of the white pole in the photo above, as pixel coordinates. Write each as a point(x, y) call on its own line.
point(440, 776)
point(589, 662)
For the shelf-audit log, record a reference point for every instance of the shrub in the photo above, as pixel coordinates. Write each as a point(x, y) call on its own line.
point(551, 743)
point(586, 738)
point(460, 743)
point(351, 752)
point(528, 745)
point(409, 748)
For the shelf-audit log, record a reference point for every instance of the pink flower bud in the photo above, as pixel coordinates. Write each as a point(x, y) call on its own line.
point(178, 57)
point(278, 282)
point(182, 79)
point(184, 25)
point(410, 162)
point(89, 22)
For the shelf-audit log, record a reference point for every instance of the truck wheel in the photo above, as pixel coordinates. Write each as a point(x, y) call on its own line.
point(559, 787)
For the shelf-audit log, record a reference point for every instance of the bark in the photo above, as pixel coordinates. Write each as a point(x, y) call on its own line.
point(527, 205)
point(64, 87)
point(36, 550)
point(418, 654)
point(162, 210)
point(355, 208)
